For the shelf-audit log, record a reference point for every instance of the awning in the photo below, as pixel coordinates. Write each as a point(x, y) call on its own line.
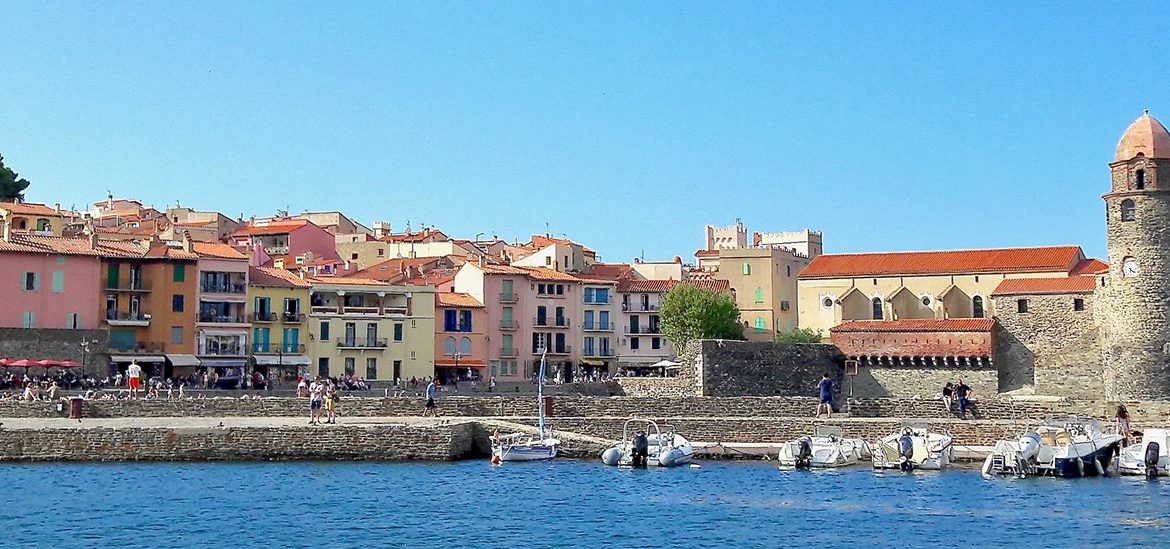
point(212, 363)
point(137, 358)
point(281, 360)
point(463, 363)
point(593, 362)
point(183, 360)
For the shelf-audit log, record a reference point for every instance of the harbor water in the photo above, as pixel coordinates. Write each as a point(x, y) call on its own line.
point(562, 503)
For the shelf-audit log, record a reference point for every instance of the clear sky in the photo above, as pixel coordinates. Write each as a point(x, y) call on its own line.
point(623, 125)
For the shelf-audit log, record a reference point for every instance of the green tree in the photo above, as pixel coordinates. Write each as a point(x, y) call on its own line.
point(12, 186)
point(802, 335)
point(689, 312)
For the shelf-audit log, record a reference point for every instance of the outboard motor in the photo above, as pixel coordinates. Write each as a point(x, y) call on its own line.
point(1153, 452)
point(640, 449)
point(906, 452)
point(804, 457)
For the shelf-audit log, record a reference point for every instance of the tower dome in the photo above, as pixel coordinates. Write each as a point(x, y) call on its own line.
point(1146, 136)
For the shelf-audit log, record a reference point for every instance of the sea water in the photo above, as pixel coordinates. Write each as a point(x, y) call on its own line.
point(564, 503)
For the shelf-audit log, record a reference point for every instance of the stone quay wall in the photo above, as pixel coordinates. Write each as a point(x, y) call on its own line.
point(56, 344)
point(741, 368)
point(374, 442)
point(1052, 345)
point(920, 382)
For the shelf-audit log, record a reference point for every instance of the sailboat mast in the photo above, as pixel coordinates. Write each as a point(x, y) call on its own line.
point(540, 395)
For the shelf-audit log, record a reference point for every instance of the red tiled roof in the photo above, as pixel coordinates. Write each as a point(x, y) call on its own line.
point(32, 208)
point(275, 227)
point(663, 286)
point(607, 271)
point(346, 280)
point(433, 277)
point(393, 268)
point(455, 299)
point(542, 273)
point(414, 237)
point(277, 278)
point(216, 250)
point(917, 325)
point(1005, 260)
point(1090, 267)
point(1056, 285)
point(39, 244)
point(707, 253)
point(162, 251)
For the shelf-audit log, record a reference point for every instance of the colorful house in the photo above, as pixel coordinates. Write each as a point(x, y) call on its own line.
point(279, 299)
point(223, 325)
point(460, 336)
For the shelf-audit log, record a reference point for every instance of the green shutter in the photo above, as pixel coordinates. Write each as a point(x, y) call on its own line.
point(58, 281)
point(180, 273)
point(112, 275)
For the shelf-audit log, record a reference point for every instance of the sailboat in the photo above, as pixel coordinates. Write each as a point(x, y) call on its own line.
point(526, 446)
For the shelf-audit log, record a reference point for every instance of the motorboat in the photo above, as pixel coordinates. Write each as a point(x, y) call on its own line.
point(1065, 447)
point(525, 446)
point(913, 447)
point(646, 444)
point(1150, 457)
point(825, 448)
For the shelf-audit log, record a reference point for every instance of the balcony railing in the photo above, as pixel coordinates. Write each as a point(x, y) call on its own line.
point(220, 351)
point(639, 307)
point(356, 311)
point(138, 347)
point(292, 318)
point(554, 350)
point(558, 322)
point(465, 328)
point(129, 286)
point(597, 326)
point(115, 318)
point(595, 301)
point(221, 319)
point(508, 352)
point(230, 288)
point(366, 343)
point(642, 330)
point(509, 297)
point(598, 353)
point(263, 317)
point(509, 325)
point(278, 348)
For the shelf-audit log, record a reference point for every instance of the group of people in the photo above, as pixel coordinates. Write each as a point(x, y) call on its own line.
point(323, 393)
point(959, 391)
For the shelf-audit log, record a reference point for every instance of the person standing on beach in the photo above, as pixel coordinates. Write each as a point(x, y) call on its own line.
point(316, 399)
point(826, 389)
point(134, 373)
point(431, 408)
point(964, 393)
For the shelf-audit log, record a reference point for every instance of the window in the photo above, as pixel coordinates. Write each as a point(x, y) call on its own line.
point(30, 282)
point(877, 308)
point(353, 256)
point(464, 321)
point(449, 346)
point(450, 320)
point(381, 252)
point(179, 273)
point(655, 343)
point(1078, 303)
point(977, 307)
point(634, 343)
point(29, 320)
point(324, 331)
point(45, 225)
point(548, 260)
point(413, 355)
point(465, 346)
point(58, 282)
point(112, 275)
point(177, 335)
point(759, 323)
point(349, 365)
point(1021, 305)
point(759, 295)
point(540, 288)
point(747, 269)
point(875, 282)
point(788, 270)
point(602, 295)
point(784, 306)
point(1127, 210)
point(560, 289)
point(827, 302)
point(398, 334)
point(976, 278)
point(371, 368)
point(588, 295)
point(72, 321)
point(177, 303)
point(1140, 179)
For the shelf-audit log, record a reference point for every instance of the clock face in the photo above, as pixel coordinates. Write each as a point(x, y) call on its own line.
point(1129, 267)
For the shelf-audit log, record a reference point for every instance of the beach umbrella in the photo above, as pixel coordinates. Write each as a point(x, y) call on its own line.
point(4, 361)
point(23, 363)
point(666, 364)
point(47, 363)
point(69, 364)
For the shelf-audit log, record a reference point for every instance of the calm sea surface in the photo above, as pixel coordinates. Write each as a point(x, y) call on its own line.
point(563, 503)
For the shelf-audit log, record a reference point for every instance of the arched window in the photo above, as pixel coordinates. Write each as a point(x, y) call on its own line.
point(449, 346)
point(1139, 178)
point(747, 269)
point(1127, 210)
point(465, 346)
point(788, 268)
point(759, 295)
point(977, 307)
point(877, 308)
point(44, 225)
point(760, 323)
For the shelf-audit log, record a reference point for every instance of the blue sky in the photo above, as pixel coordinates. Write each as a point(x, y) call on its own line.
point(889, 126)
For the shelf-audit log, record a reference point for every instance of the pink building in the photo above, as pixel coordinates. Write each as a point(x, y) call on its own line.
point(49, 282)
point(460, 335)
point(286, 238)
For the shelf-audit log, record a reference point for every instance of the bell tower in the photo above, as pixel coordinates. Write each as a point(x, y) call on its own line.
point(1134, 298)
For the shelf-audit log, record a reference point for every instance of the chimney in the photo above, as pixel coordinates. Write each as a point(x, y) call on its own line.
point(93, 239)
point(7, 229)
point(186, 241)
point(481, 262)
point(57, 208)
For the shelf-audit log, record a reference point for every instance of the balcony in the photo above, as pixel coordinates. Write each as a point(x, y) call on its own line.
point(222, 319)
point(229, 288)
point(635, 330)
point(263, 317)
point(114, 318)
point(509, 325)
point(457, 328)
point(367, 343)
point(559, 322)
point(137, 348)
point(132, 286)
point(220, 350)
point(292, 318)
point(509, 298)
point(598, 353)
point(554, 350)
point(639, 307)
point(331, 310)
point(595, 301)
point(508, 352)
point(276, 250)
point(278, 348)
point(597, 327)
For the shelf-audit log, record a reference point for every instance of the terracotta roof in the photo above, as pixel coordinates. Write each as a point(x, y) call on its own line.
point(1004, 260)
point(1059, 285)
point(1146, 136)
point(32, 208)
point(38, 244)
point(433, 277)
point(663, 286)
point(607, 271)
point(391, 269)
point(162, 250)
point(707, 253)
point(277, 278)
point(346, 280)
point(917, 325)
point(455, 299)
point(1090, 267)
point(216, 250)
point(414, 237)
point(275, 227)
point(542, 273)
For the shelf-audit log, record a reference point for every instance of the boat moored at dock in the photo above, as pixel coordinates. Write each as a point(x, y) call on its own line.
point(1065, 447)
point(645, 444)
point(824, 449)
point(912, 448)
point(1149, 458)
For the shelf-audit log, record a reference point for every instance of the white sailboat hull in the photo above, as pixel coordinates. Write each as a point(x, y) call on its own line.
point(826, 453)
point(527, 451)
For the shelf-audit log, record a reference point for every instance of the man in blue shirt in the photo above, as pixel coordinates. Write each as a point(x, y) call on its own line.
point(826, 388)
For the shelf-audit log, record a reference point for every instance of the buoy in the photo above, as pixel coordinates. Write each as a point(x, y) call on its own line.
point(696, 466)
point(495, 459)
point(1080, 467)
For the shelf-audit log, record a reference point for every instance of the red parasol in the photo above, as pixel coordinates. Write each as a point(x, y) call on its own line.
point(5, 361)
point(69, 364)
point(47, 363)
point(23, 363)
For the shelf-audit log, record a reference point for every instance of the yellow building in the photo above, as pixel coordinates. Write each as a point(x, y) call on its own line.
point(29, 216)
point(279, 332)
point(764, 281)
point(371, 329)
point(837, 288)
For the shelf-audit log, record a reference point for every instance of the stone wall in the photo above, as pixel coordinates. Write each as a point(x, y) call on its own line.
point(56, 344)
point(882, 381)
point(1052, 346)
point(372, 442)
point(739, 368)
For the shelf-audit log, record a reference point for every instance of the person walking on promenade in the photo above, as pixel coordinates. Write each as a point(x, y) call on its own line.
point(826, 390)
point(431, 409)
point(134, 373)
point(948, 396)
point(964, 393)
point(330, 402)
point(1122, 425)
point(316, 400)
point(492, 384)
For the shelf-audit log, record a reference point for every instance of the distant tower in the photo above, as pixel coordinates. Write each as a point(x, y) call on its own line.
point(1135, 299)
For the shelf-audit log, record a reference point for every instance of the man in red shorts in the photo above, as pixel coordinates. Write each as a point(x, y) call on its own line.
point(134, 373)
